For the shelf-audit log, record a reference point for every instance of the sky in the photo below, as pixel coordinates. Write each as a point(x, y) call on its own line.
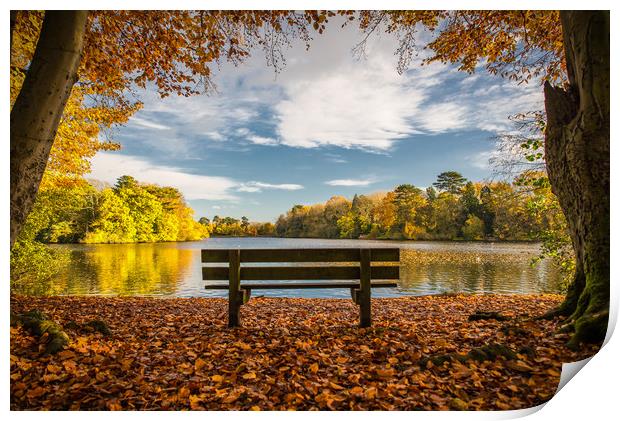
point(330, 123)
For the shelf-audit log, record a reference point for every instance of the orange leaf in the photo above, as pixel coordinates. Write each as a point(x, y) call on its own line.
point(200, 364)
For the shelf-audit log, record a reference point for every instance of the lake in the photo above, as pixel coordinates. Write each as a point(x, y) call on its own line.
point(174, 269)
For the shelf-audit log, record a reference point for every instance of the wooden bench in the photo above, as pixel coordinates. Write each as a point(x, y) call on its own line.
point(359, 279)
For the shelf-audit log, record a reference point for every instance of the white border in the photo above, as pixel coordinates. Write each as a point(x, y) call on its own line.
point(592, 394)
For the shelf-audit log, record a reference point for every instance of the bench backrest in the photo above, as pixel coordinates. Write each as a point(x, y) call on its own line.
point(314, 255)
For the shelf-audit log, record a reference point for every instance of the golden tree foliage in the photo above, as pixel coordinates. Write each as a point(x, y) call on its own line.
point(78, 136)
point(178, 50)
point(517, 44)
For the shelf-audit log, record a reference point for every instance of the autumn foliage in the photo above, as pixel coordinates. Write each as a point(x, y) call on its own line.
point(290, 354)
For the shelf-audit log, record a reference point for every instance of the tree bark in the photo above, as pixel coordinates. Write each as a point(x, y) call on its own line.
point(39, 107)
point(13, 20)
point(577, 156)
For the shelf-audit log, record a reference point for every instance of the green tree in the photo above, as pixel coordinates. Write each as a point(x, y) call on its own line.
point(473, 229)
point(114, 222)
point(450, 182)
point(408, 199)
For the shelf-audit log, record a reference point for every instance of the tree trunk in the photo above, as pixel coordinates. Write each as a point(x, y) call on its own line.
point(577, 156)
point(39, 106)
point(13, 20)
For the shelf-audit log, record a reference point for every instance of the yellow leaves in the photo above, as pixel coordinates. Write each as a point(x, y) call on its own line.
point(194, 402)
point(370, 393)
point(126, 363)
point(200, 364)
point(35, 392)
point(69, 366)
point(490, 36)
point(242, 346)
point(53, 368)
point(364, 348)
point(343, 369)
point(385, 372)
point(519, 365)
point(233, 396)
point(249, 376)
point(335, 386)
point(553, 372)
point(184, 392)
point(356, 391)
point(217, 378)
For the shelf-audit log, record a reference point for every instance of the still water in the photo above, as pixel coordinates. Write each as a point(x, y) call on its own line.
point(174, 269)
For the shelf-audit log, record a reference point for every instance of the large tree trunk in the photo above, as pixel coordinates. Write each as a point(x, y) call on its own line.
point(39, 106)
point(577, 156)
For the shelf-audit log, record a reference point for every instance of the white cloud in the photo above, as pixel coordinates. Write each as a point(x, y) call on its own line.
point(242, 131)
point(260, 140)
point(217, 136)
point(326, 97)
point(258, 186)
point(108, 167)
point(347, 182)
point(481, 159)
point(148, 124)
point(443, 117)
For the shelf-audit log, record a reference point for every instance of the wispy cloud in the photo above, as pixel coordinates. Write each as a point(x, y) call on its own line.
point(148, 124)
point(261, 140)
point(108, 167)
point(348, 182)
point(258, 186)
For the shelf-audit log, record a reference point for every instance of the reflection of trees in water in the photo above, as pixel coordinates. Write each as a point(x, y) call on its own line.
point(126, 269)
point(433, 272)
point(171, 269)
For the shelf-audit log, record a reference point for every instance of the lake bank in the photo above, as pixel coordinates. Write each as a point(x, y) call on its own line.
point(176, 353)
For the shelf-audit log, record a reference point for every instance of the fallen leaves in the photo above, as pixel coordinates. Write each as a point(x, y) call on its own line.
point(171, 354)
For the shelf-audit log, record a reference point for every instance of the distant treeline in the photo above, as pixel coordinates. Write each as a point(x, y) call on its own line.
point(452, 209)
point(228, 226)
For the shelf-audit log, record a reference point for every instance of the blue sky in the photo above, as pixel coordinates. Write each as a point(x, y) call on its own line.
point(329, 124)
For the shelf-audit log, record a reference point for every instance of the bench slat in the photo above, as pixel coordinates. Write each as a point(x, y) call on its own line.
point(305, 285)
point(301, 255)
point(296, 273)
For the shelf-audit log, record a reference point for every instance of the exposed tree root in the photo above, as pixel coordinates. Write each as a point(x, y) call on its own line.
point(488, 352)
point(487, 315)
point(51, 334)
point(95, 325)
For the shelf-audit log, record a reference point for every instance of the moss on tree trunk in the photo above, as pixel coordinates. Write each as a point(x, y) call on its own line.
point(577, 156)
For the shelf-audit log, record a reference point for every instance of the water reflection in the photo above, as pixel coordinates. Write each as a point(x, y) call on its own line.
point(174, 269)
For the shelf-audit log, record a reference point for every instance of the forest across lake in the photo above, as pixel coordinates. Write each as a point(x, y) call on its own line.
point(174, 269)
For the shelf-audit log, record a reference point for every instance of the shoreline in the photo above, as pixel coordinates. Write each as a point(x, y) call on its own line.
point(488, 241)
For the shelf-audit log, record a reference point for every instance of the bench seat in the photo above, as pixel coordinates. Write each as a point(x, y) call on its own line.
point(306, 285)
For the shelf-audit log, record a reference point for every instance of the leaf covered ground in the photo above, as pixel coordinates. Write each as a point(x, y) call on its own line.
point(305, 354)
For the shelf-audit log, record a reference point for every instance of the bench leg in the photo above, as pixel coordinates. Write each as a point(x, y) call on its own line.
point(233, 313)
point(365, 319)
point(364, 293)
point(234, 278)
